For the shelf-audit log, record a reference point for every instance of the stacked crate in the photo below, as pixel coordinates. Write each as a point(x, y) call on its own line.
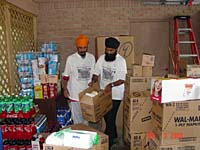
point(137, 119)
point(175, 118)
point(176, 125)
point(137, 104)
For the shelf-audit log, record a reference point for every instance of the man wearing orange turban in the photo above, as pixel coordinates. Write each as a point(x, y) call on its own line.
point(77, 74)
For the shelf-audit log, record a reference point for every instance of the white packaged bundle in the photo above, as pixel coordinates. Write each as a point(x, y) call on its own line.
point(56, 138)
point(80, 139)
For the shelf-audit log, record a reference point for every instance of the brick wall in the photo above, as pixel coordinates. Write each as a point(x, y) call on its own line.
point(62, 20)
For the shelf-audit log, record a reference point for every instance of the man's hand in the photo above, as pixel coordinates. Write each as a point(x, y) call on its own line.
point(94, 80)
point(66, 93)
point(108, 88)
point(90, 84)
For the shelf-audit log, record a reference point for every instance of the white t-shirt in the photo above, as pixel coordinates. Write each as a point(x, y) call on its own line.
point(79, 70)
point(111, 72)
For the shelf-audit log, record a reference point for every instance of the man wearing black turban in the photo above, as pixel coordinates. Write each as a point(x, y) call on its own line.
point(111, 70)
point(112, 45)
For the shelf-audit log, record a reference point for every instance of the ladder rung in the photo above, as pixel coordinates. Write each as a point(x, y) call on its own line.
point(186, 42)
point(184, 29)
point(188, 55)
point(182, 17)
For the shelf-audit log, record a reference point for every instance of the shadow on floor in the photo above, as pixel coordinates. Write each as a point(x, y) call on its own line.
point(119, 145)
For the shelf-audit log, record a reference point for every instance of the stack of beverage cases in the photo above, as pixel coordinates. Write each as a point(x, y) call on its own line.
point(17, 123)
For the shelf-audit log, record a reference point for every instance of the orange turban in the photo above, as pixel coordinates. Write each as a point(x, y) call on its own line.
point(82, 41)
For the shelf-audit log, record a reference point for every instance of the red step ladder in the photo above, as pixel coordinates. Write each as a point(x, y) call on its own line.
point(178, 32)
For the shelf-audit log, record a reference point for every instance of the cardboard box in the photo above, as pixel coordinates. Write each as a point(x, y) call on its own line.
point(148, 60)
point(137, 112)
point(126, 48)
point(136, 70)
point(52, 78)
point(172, 90)
point(177, 122)
point(94, 108)
point(102, 145)
point(173, 76)
point(147, 71)
point(137, 84)
point(193, 70)
point(44, 78)
point(136, 141)
point(155, 145)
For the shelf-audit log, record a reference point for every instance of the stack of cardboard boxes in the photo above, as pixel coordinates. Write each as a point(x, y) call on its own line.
point(137, 104)
point(175, 116)
point(137, 119)
point(176, 125)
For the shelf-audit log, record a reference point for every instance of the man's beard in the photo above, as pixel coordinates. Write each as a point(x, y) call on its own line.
point(82, 54)
point(110, 57)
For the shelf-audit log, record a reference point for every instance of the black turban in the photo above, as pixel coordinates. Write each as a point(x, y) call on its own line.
point(112, 43)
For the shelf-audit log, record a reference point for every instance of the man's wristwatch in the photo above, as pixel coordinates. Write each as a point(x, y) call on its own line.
point(112, 84)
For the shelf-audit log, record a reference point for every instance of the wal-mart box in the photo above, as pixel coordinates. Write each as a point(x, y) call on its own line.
point(136, 70)
point(94, 108)
point(148, 60)
point(155, 145)
point(102, 145)
point(126, 48)
point(137, 112)
point(172, 90)
point(137, 84)
point(147, 71)
point(176, 122)
point(193, 71)
point(136, 141)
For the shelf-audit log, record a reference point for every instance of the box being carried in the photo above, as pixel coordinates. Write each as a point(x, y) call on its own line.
point(95, 103)
point(172, 90)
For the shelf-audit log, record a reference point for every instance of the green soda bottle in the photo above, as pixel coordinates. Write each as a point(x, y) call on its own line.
point(9, 104)
point(17, 104)
point(25, 105)
point(1, 104)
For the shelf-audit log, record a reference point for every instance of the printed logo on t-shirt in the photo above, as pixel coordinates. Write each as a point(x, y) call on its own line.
point(108, 74)
point(83, 73)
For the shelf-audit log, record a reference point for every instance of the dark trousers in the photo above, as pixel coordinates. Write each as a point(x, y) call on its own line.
point(110, 118)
